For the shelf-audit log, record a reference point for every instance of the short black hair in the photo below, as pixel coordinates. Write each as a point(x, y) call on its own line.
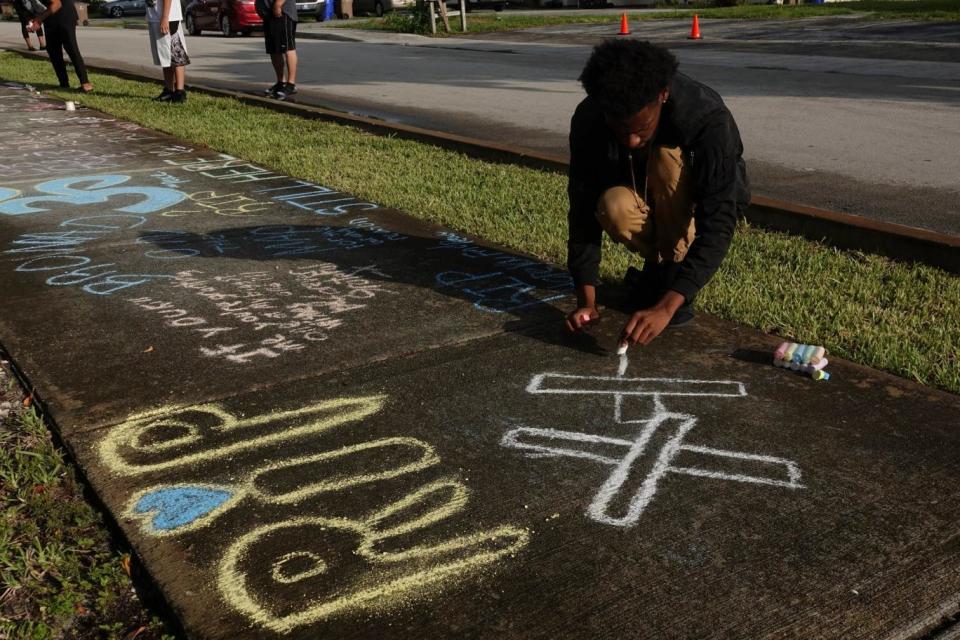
point(624, 76)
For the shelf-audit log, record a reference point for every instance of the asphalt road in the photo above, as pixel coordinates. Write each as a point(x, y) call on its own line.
point(837, 126)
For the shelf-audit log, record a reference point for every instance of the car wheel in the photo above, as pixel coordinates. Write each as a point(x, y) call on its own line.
point(225, 26)
point(191, 26)
point(116, 12)
point(378, 8)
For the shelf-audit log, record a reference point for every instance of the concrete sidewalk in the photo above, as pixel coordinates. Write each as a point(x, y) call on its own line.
point(315, 417)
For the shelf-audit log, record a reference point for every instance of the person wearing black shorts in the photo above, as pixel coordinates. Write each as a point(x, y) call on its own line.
point(280, 36)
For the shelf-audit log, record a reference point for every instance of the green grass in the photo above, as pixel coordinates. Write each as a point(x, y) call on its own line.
point(59, 575)
point(57, 569)
point(927, 10)
point(892, 316)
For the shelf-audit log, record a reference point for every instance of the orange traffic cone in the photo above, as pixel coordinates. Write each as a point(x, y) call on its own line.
point(695, 31)
point(624, 27)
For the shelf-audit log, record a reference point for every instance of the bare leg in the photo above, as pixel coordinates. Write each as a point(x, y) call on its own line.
point(179, 77)
point(291, 57)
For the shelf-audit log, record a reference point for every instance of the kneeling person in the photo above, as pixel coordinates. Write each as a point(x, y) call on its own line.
point(656, 164)
point(169, 47)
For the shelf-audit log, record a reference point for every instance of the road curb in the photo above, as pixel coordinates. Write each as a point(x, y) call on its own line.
point(844, 231)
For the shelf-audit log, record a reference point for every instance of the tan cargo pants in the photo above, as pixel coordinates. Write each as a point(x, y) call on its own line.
point(662, 229)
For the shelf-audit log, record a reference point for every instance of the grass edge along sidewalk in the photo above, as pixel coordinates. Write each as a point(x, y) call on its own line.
point(60, 574)
point(891, 316)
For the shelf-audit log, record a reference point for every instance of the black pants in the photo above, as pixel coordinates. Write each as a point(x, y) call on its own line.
point(62, 38)
point(652, 283)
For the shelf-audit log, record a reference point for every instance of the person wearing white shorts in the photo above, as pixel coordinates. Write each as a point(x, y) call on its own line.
point(169, 48)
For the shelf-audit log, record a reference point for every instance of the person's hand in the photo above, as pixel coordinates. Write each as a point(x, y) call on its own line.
point(581, 318)
point(33, 26)
point(277, 11)
point(165, 27)
point(645, 325)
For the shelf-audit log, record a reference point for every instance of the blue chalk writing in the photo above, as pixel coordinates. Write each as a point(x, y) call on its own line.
point(495, 292)
point(99, 190)
point(316, 199)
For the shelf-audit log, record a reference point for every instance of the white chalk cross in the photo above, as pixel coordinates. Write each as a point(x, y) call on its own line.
point(658, 448)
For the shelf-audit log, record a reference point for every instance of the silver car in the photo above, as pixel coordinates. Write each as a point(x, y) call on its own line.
point(311, 8)
point(379, 7)
point(120, 8)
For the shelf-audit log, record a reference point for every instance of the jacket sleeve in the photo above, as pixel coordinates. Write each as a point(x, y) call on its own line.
point(720, 186)
point(583, 188)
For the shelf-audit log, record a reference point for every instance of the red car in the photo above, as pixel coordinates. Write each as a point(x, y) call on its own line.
point(229, 17)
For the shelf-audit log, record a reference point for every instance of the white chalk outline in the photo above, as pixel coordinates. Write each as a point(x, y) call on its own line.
point(598, 508)
point(536, 386)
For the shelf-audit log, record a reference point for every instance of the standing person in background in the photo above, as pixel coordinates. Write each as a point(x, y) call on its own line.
point(280, 35)
point(60, 20)
point(169, 48)
point(26, 10)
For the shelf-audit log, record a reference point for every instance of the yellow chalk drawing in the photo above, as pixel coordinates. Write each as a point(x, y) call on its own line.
point(132, 436)
point(279, 573)
point(221, 204)
point(395, 554)
point(189, 506)
point(390, 577)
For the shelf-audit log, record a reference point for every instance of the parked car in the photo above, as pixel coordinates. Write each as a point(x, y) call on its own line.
point(379, 7)
point(229, 17)
point(120, 8)
point(496, 5)
point(312, 8)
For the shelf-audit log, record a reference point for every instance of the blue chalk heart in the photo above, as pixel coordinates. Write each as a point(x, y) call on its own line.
point(178, 506)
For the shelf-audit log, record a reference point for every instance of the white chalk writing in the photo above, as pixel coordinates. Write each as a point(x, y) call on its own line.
point(638, 466)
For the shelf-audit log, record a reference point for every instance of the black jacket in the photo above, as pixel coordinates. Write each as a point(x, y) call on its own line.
point(693, 118)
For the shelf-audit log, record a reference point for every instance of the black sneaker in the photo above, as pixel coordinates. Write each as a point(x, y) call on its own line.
point(272, 91)
point(165, 96)
point(179, 97)
point(286, 91)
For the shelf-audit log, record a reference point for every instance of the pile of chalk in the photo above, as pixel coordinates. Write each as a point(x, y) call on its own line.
point(806, 358)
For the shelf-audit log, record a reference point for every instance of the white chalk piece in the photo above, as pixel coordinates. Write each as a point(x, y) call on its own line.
point(71, 105)
point(622, 349)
